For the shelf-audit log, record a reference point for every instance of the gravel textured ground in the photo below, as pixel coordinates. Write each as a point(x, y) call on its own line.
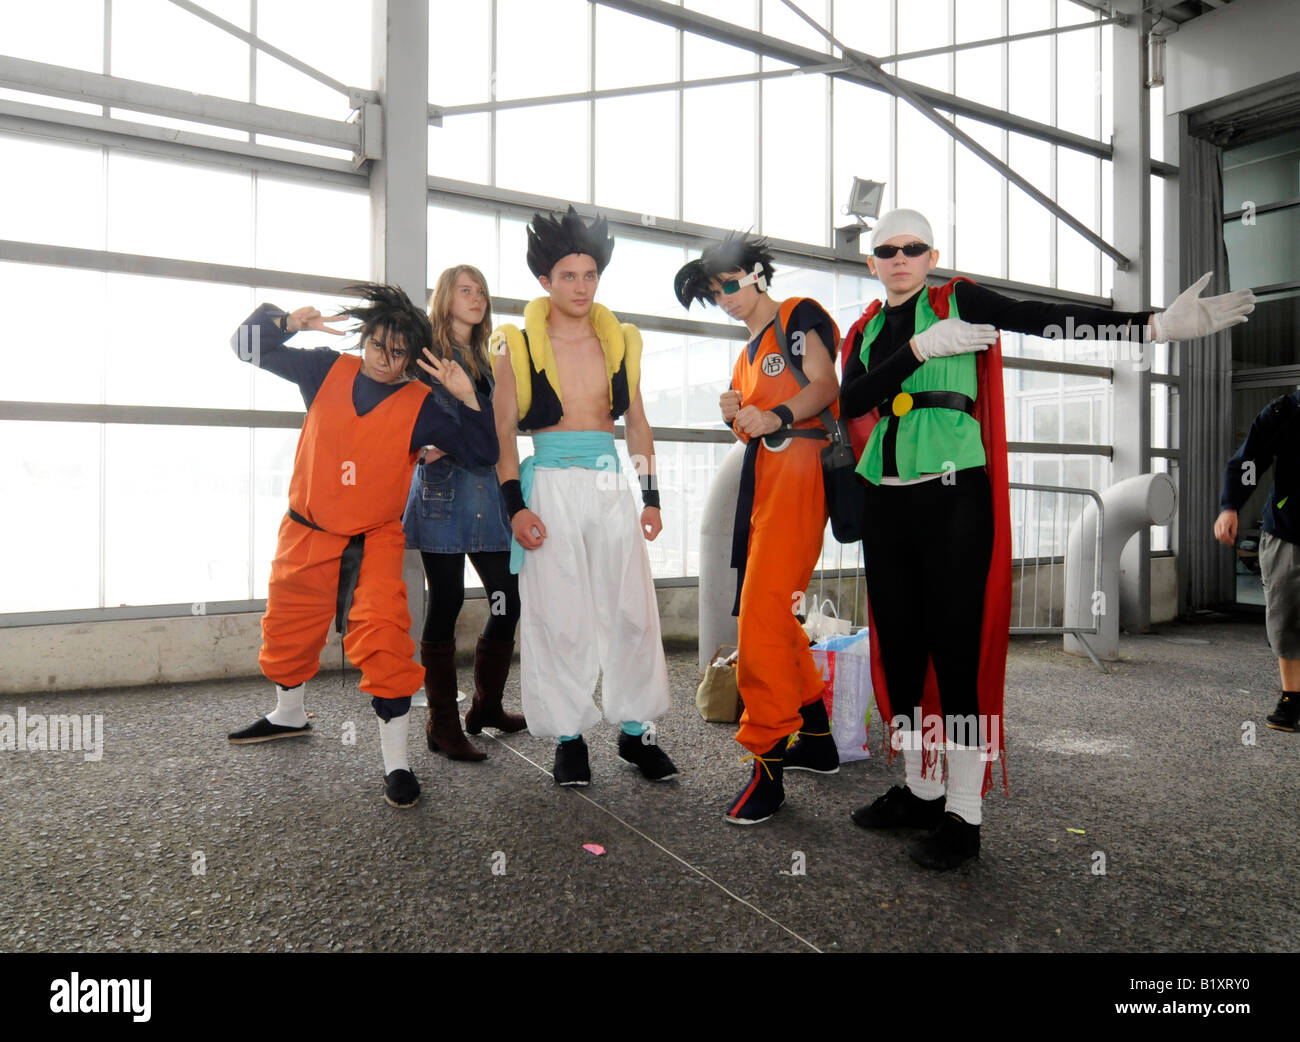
point(178, 841)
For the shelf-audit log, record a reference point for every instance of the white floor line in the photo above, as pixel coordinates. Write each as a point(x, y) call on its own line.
point(675, 857)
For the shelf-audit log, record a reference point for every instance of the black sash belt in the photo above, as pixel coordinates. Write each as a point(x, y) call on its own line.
point(349, 572)
point(902, 403)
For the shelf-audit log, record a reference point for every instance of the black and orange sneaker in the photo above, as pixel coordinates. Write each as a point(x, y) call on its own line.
point(764, 793)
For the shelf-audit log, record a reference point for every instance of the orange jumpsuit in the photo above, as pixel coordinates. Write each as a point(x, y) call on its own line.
point(776, 674)
point(351, 475)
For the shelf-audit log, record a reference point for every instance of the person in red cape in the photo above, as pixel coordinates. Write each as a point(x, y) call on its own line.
point(922, 391)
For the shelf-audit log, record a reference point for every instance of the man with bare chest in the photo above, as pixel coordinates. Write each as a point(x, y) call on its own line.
point(586, 592)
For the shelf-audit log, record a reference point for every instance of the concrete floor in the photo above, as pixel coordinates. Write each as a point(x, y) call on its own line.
point(177, 841)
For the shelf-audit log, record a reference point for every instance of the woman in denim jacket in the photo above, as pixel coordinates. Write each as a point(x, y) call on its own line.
point(455, 509)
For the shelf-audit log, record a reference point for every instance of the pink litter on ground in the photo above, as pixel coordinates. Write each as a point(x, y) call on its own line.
point(595, 848)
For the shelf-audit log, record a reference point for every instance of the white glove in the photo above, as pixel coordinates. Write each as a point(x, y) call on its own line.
point(1191, 316)
point(952, 336)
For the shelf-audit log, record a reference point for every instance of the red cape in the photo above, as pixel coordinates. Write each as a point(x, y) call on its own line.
point(991, 414)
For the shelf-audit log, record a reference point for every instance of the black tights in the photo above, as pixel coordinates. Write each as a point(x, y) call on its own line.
point(445, 576)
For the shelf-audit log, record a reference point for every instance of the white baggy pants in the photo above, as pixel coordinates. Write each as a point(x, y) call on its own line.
point(588, 605)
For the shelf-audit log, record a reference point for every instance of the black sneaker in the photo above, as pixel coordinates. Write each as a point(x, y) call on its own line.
point(401, 789)
point(900, 808)
point(813, 748)
point(571, 766)
point(764, 793)
point(265, 731)
point(952, 843)
point(1286, 717)
point(652, 761)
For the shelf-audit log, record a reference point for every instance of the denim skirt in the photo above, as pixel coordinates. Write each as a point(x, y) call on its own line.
point(453, 509)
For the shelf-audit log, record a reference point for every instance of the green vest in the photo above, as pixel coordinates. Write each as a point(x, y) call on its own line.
point(930, 441)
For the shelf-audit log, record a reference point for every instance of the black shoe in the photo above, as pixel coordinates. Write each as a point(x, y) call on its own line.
point(652, 761)
point(764, 793)
point(265, 731)
point(571, 766)
point(1286, 717)
point(401, 789)
point(952, 843)
point(813, 748)
point(900, 808)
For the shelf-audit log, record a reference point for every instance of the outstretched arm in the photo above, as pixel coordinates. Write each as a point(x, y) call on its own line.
point(260, 340)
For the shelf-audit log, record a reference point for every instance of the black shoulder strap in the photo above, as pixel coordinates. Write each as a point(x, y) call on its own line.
point(828, 421)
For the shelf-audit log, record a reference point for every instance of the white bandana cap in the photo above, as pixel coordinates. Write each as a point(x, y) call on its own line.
point(902, 222)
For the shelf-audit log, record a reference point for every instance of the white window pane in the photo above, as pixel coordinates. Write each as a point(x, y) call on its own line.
point(62, 188)
point(979, 219)
point(52, 473)
point(1028, 73)
point(515, 279)
point(543, 150)
point(636, 154)
point(661, 379)
point(978, 20)
point(924, 177)
point(461, 237)
point(1077, 191)
point(632, 50)
point(542, 48)
point(860, 145)
point(795, 203)
point(1030, 224)
point(863, 25)
point(168, 209)
point(719, 175)
point(316, 229)
point(157, 42)
point(57, 32)
point(1027, 15)
point(704, 57)
point(459, 52)
point(708, 365)
point(979, 75)
point(71, 367)
point(640, 277)
point(175, 514)
point(460, 148)
point(1078, 78)
point(332, 36)
point(784, 24)
point(168, 343)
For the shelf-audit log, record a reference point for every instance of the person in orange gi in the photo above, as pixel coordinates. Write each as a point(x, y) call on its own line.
point(340, 547)
point(781, 512)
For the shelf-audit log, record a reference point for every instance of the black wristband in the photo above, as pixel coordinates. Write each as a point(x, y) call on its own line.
point(649, 490)
point(514, 496)
point(282, 323)
point(783, 413)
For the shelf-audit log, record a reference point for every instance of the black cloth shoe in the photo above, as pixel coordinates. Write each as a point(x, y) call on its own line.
point(265, 731)
point(952, 843)
point(813, 748)
point(764, 793)
point(900, 808)
point(401, 789)
point(652, 761)
point(571, 766)
point(1286, 717)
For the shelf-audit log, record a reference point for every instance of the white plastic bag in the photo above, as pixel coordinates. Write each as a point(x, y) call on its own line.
point(845, 665)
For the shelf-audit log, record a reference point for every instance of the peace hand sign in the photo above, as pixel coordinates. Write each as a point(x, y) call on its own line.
point(310, 318)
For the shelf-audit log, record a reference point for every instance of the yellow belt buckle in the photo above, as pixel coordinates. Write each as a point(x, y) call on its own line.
point(901, 404)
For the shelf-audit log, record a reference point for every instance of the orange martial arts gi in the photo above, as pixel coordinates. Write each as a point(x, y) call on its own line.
point(351, 475)
point(784, 503)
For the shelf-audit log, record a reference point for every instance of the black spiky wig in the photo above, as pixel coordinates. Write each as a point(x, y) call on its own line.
point(390, 312)
point(553, 237)
point(739, 251)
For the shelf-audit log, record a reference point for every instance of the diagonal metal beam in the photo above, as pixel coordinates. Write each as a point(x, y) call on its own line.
point(355, 95)
point(897, 87)
point(952, 48)
point(62, 82)
point(437, 113)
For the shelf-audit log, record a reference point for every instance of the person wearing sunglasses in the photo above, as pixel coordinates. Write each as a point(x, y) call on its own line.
point(781, 512)
point(923, 395)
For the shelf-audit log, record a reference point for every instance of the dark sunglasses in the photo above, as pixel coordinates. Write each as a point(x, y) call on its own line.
point(912, 249)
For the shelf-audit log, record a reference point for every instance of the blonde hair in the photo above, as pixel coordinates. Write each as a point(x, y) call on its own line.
point(476, 358)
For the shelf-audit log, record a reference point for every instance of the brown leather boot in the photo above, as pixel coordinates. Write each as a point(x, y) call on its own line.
point(442, 729)
point(491, 667)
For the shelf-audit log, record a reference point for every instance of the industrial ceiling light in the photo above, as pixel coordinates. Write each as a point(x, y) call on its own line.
point(1155, 60)
point(864, 201)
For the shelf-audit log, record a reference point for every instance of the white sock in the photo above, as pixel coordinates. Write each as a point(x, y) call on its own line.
point(288, 710)
point(392, 740)
point(922, 788)
point(965, 782)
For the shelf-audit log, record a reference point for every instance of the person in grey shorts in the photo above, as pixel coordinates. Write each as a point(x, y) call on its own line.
point(1274, 438)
